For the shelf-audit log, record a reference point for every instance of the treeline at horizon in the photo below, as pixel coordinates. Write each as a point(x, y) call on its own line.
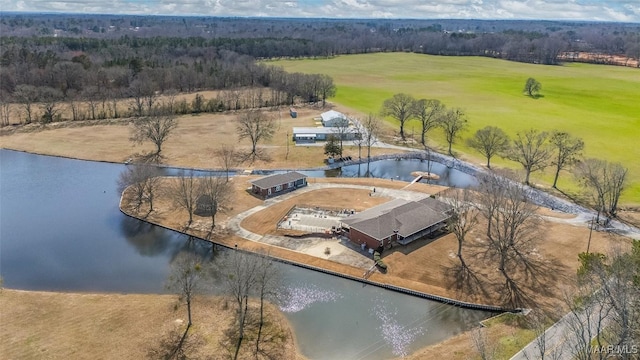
point(98, 57)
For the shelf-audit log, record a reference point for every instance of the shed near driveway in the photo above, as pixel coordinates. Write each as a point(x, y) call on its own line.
point(277, 184)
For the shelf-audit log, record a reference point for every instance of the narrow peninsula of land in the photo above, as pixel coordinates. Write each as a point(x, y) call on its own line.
point(251, 223)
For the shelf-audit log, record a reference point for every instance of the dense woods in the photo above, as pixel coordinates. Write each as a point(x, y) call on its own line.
point(96, 59)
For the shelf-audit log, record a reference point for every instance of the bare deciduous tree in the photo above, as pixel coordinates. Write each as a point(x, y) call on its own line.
point(50, 99)
point(170, 100)
point(463, 220)
point(218, 191)
point(326, 88)
point(187, 278)
point(227, 157)
point(112, 96)
point(531, 150)
point(343, 130)
point(142, 181)
point(453, 122)
point(585, 321)
point(239, 276)
point(183, 191)
point(268, 281)
point(155, 128)
point(27, 95)
point(618, 282)
point(5, 110)
point(543, 347)
point(489, 141)
point(511, 232)
point(369, 129)
point(568, 149)
point(143, 94)
point(399, 108)
point(606, 180)
point(73, 104)
point(428, 112)
point(256, 126)
point(482, 345)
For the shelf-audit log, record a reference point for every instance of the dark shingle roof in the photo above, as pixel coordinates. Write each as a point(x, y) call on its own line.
point(270, 181)
point(436, 205)
point(406, 217)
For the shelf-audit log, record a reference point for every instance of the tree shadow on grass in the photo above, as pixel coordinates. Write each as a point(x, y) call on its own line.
point(176, 345)
point(526, 280)
point(152, 158)
point(577, 198)
point(272, 338)
point(465, 280)
point(528, 283)
point(248, 156)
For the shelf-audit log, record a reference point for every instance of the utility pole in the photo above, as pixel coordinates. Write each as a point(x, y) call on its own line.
point(286, 156)
point(590, 232)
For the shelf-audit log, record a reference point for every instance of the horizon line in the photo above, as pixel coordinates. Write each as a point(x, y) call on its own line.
point(316, 18)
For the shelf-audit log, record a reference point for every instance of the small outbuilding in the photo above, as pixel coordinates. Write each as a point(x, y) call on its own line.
point(278, 184)
point(293, 113)
point(333, 118)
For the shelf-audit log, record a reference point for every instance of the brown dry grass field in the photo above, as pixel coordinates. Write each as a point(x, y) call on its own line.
point(192, 144)
point(45, 325)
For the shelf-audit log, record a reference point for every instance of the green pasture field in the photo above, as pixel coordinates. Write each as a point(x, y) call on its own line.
point(599, 103)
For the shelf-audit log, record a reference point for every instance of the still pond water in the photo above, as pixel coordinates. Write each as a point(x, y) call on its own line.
point(61, 230)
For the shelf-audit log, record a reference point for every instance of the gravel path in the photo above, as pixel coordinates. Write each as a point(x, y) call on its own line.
point(539, 197)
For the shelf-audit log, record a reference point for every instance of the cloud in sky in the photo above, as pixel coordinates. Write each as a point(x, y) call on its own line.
point(593, 10)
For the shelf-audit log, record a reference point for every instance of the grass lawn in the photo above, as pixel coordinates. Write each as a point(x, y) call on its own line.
point(50, 325)
point(595, 102)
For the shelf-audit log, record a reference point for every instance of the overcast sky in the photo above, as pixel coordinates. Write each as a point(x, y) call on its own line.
point(599, 10)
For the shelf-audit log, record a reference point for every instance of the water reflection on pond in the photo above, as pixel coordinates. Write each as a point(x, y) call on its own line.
point(401, 169)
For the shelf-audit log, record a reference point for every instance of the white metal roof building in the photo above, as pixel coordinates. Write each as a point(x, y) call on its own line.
point(311, 134)
point(333, 118)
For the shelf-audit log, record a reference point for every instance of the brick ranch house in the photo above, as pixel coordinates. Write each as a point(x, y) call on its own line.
point(398, 220)
point(277, 184)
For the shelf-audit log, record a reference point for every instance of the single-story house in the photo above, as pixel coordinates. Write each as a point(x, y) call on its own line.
point(398, 220)
point(279, 183)
point(313, 134)
point(333, 118)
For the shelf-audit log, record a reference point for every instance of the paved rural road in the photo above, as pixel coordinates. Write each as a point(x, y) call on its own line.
point(555, 339)
point(560, 339)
